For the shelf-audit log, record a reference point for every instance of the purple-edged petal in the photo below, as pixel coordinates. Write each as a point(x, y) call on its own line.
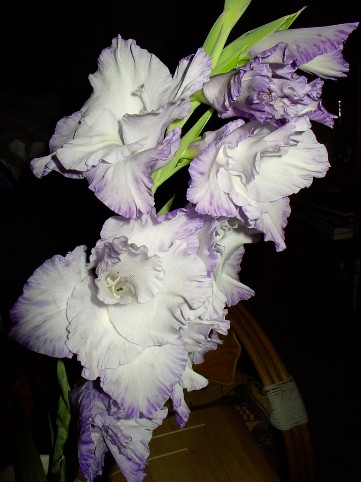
point(200, 337)
point(157, 233)
point(242, 169)
point(180, 407)
point(131, 457)
point(191, 74)
point(117, 139)
point(261, 91)
point(125, 186)
point(39, 315)
point(103, 426)
point(203, 190)
point(272, 221)
point(91, 444)
point(226, 277)
point(304, 159)
point(317, 50)
point(143, 386)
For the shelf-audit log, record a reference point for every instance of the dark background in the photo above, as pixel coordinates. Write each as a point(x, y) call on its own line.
point(307, 297)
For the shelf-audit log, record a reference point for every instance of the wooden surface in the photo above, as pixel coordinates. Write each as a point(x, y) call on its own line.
point(215, 446)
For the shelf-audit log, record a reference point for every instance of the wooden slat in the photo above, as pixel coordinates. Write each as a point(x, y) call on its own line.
point(215, 446)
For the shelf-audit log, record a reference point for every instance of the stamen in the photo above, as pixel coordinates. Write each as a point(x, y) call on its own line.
point(140, 92)
point(117, 285)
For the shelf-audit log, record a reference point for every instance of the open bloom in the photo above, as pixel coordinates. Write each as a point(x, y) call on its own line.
point(103, 426)
point(118, 137)
point(316, 50)
point(226, 239)
point(125, 311)
point(248, 170)
point(267, 89)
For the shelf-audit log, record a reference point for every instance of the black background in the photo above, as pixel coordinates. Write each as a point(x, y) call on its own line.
point(47, 51)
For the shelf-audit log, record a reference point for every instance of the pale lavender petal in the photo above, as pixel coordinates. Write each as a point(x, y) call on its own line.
point(64, 132)
point(103, 426)
point(226, 277)
point(92, 336)
point(190, 75)
point(131, 457)
point(304, 159)
point(129, 79)
point(273, 221)
point(316, 50)
point(89, 146)
point(180, 407)
point(217, 91)
point(200, 337)
point(39, 316)
point(126, 186)
point(157, 233)
point(207, 241)
point(184, 294)
point(41, 166)
point(204, 191)
point(91, 444)
point(192, 380)
point(143, 386)
point(261, 91)
point(128, 273)
point(152, 125)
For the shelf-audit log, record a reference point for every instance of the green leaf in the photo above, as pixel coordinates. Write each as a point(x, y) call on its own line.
point(171, 167)
point(63, 382)
point(218, 35)
point(235, 54)
point(58, 463)
point(166, 208)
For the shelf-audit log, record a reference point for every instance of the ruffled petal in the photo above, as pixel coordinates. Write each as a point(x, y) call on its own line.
point(192, 72)
point(185, 291)
point(199, 339)
point(143, 78)
point(273, 221)
point(143, 386)
point(267, 89)
point(180, 407)
point(157, 233)
point(91, 444)
point(312, 48)
point(203, 190)
point(125, 186)
point(103, 426)
point(131, 457)
point(304, 159)
point(39, 316)
point(92, 336)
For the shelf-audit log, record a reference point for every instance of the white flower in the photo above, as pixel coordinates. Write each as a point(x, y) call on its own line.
point(117, 139)
point(247, 171)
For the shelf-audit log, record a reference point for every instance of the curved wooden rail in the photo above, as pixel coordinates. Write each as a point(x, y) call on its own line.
point(271, 370)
